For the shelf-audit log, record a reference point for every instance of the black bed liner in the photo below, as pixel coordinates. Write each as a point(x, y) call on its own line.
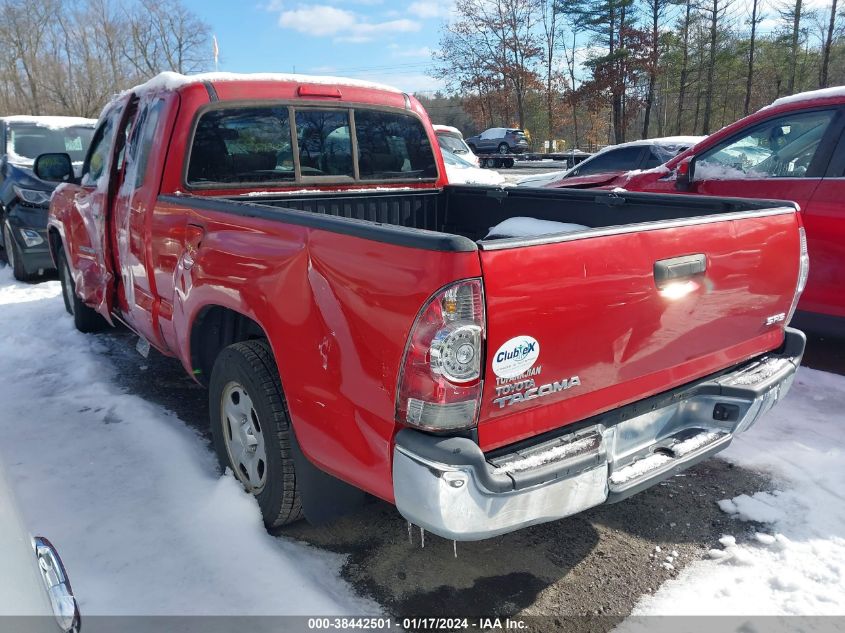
point(458, 216)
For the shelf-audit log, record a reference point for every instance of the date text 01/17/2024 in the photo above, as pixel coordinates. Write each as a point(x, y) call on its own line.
point(417, 624)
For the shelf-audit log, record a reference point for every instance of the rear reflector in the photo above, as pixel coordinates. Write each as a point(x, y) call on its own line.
point(311, 90)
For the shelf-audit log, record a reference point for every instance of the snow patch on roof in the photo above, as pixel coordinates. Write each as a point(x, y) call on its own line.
point(665, 141)
point(447, 128)
point(173, 81)
point(51, 122)
point(824, 93)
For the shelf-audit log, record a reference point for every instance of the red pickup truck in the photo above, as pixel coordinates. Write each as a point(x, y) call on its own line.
point(793, 149)
point(484, 358)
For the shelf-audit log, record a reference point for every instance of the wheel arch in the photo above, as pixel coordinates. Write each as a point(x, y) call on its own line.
point(214, 328)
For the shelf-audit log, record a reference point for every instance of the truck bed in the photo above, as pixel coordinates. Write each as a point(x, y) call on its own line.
point(592, 296)
point(469, 211)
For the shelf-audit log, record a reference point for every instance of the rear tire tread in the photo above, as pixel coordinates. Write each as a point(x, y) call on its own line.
point(259, 356)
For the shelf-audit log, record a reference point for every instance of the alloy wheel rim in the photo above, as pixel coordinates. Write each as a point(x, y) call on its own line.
point(244, 437)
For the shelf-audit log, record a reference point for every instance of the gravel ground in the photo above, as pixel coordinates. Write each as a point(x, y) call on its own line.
point(598, 563)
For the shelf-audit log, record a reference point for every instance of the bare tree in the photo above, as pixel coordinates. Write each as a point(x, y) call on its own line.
point(684, 78)
point(826, 46)
point(714, 11)
point(791, 14)
point(756, 18)
point(166, 35)
point(656, 11)
point(549, 12)
point(493, 46)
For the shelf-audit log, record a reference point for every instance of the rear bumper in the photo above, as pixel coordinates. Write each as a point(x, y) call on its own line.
point(449, 487)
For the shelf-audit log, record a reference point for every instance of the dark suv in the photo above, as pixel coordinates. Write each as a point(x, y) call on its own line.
point(24, 198)
point(503, 140)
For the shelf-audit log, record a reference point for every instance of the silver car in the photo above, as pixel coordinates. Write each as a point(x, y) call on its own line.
point(35, 592)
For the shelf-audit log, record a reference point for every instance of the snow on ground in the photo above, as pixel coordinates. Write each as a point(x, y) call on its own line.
point(129, 495)
point(794, 564)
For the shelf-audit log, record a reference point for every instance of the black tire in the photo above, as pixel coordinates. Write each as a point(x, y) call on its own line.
point(492, 163)
point(504, 148)
point(13, 255)
point(85, 319)
point(251, 365)
point(509, 163)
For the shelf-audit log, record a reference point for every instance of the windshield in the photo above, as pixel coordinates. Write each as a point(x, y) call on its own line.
point(452, 143)
point(456, 161)
point(27, 141)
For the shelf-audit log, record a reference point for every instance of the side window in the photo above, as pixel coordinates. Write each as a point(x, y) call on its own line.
point(780, 148)
point(392, 146)
point(837, 162)
point(142, 140)
point(242, 145)
point(622, 159)
point(98, 156)
point(659, 154)
point(325, 145)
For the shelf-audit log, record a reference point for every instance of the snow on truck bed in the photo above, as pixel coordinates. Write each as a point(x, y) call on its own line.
point(129, 495)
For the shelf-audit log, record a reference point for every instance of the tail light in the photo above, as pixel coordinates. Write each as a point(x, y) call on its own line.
point(441, 376)
point(803, 272)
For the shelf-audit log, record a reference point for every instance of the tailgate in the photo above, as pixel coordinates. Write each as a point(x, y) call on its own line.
point(584, 325)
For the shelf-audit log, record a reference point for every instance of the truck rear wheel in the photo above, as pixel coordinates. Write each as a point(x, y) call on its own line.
point(85, 319)
point(251, 428)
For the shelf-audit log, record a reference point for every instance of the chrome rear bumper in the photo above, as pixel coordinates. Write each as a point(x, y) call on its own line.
point(449, 487)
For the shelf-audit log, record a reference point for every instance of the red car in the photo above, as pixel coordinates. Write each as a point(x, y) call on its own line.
point(794, 150)
point(485, 359)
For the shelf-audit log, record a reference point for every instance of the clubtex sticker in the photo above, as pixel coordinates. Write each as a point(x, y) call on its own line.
point(516, 356)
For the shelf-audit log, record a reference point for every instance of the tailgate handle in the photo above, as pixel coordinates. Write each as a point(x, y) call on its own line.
point(666, 270)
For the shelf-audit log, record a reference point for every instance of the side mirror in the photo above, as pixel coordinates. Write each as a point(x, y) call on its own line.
point(684, 174)
point(54, 167)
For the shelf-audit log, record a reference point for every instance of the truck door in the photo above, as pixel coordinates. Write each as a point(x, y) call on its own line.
point(824, 220)
point(133, 203)
point(783, 158)
point(86, 232)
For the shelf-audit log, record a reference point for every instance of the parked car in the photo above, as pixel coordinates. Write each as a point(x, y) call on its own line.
point(35, 593)
point(793, 149)
point(24, 198)
point(502, 140)
point(460, 171)
point(364, 328)
point(451, 140)
point(606, 164)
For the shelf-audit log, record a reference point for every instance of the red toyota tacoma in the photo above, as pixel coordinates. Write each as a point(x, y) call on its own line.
point(793, 149)
point(483, 358)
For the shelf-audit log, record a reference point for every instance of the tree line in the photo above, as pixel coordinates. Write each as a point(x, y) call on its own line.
point(594, 72)
point(69, 58)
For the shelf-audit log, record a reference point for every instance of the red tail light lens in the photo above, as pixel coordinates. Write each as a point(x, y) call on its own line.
point(441, 376)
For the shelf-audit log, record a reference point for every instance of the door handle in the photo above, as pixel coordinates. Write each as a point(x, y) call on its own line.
point(667, 270)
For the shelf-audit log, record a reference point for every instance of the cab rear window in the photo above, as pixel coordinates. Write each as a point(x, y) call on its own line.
point(392, 146)
point(249, 145)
